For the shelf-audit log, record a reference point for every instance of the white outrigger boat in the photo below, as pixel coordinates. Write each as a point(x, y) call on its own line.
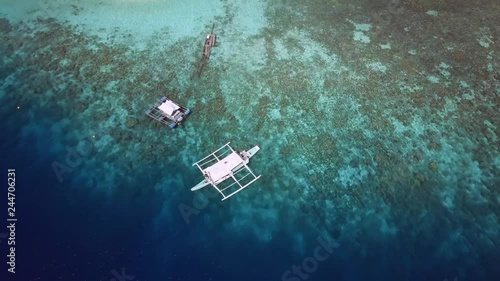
point(226, 163)
point(168, 112)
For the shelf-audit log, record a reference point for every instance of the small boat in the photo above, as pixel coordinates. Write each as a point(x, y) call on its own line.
point(209, 43)
point(227, 164)
point(168, 112)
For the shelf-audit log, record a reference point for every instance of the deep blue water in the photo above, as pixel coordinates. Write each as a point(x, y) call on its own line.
point(68, 231)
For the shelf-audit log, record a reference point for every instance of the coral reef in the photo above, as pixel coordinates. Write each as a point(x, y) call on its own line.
point(389, 138)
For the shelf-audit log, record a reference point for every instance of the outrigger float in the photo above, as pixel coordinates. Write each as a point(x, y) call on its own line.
point(168, 112)
point(223, 164)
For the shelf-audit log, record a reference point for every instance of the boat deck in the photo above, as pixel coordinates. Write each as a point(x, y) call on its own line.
point(225, 164)
point(168, 112)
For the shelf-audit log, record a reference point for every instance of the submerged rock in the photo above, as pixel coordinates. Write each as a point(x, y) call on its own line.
point(131, 122)
point(5, 26)
point(81, 106)
point(433, 166)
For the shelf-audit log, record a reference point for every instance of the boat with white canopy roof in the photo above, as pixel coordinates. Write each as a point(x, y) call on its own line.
point(226, 170)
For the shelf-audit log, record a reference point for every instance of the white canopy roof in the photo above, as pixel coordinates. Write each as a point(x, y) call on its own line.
point(224, 167)
point(168, 107)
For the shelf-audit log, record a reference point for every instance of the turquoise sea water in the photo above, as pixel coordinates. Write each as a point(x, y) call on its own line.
point(378, 124)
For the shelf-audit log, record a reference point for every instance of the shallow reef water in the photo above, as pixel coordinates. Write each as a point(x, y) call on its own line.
point(378, 123)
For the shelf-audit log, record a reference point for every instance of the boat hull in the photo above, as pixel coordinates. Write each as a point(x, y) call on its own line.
point(254, 150)
point(246, 155)
point(201, 185)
